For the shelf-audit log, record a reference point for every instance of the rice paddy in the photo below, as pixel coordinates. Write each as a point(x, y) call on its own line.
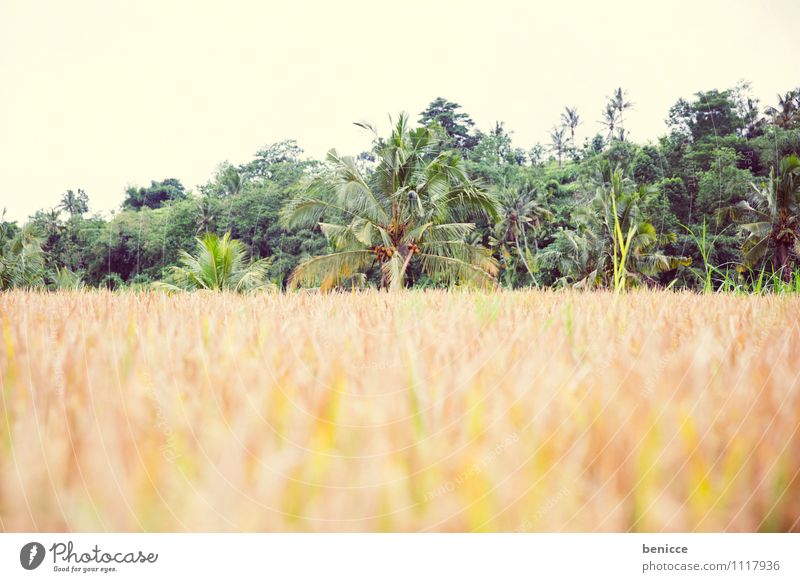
point(411, 411)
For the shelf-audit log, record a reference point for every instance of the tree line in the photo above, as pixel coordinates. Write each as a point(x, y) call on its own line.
point(711, 204)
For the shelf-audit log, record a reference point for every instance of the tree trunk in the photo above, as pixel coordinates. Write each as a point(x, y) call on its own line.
point(782, 254)
point(406, 261)
point(404, 253)
point(524, 260)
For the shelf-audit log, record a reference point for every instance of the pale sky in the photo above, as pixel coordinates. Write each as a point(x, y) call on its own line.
point(101, 94)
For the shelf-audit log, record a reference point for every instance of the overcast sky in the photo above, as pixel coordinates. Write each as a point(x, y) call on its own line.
point(101, 94)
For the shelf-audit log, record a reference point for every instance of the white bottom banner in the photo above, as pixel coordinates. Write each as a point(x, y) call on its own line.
point(400, 557)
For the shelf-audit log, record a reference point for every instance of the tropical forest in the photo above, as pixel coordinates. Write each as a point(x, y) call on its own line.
point(712, 205)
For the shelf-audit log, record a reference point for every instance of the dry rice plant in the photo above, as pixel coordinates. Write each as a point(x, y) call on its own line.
point(413, 411)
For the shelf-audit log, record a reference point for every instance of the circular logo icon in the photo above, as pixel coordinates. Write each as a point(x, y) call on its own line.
point(31, 555)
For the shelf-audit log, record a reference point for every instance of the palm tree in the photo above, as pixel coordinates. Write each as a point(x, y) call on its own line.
point(613, 243)
point(53, 226)
point(205, 218)
point(66, 279)
point(572, 253)
point(630, 241)
point(231, 180)
point(415, 206)
point(609, 120)
point(21, 259)
point(219, 264)
point(787, 114)
point(521, 211)
point(558, 142)
point(619, 103)
point(73, 203)
point(571, 120)
point(76, 204)
point(771, 217)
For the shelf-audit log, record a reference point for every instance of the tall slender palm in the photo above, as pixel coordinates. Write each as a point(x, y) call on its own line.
point(619, 103)
point(771, 217)
point(219, 264)
point(571, 120)
point(558, 143)
point(74, 203)
point(609, 120)
point(415, 206)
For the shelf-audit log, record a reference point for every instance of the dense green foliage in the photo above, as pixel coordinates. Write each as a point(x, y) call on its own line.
point(715, 201)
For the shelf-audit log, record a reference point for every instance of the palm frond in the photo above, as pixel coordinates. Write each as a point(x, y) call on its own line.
point(330, 270)
point(354, 193)
point(454, 270)
point(218, 264)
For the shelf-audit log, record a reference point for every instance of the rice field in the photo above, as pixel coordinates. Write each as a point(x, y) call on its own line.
point(414, 411)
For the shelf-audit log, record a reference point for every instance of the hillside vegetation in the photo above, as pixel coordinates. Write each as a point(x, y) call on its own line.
point(713, 204)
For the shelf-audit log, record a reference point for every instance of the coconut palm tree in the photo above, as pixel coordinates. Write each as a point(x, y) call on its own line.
point(787, 113)
point(573, 254)
point(571, 120)
point(65, 279)
point(75, 204)
point(219, 264)
point(522, 212)
point(414, 207)
point(558, 143)
point(21, 259)
point(771, 217)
